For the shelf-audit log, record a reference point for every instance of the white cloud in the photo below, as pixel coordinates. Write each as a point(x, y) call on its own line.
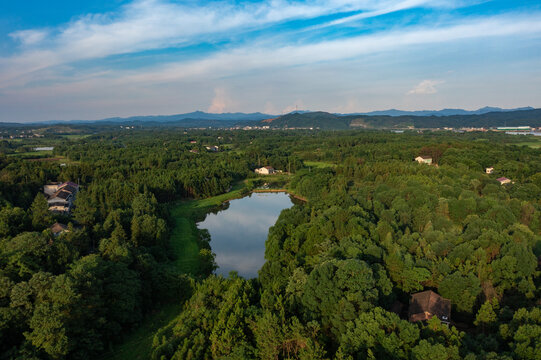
point(264, 58)
point(29, 37)
point(385, 7)
point(44, 72)
point(156, 24)
point(221, 101)
point(259, 57)
point(425, 87)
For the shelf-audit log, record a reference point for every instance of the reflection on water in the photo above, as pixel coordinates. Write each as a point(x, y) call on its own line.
point(238, 233)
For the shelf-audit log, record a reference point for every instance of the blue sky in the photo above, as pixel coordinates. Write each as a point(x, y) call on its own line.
point(94, 59)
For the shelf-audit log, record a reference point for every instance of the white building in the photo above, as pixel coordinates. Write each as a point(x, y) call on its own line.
point(265, 170)
point(60, 196)
point(489, 170)
point(424, 160)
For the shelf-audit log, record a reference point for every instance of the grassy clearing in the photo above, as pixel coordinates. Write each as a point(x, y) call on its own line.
point(319, 164)
point(32, 154)
point(532, 143)
point(184, 243)
point(195, 208)
point(525, 140)
point(75, 136)
point(138, 344)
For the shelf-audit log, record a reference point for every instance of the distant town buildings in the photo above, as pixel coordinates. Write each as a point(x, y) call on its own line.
point(424, 160)
point(213, 148)
point(60, 196)
point(265, 170)
point(514, 128)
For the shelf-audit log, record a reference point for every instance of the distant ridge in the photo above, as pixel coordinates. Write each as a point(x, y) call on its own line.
point(324, 120)
point(485, 117)
point(196, 115)
point(443, 112)
point(258, 116)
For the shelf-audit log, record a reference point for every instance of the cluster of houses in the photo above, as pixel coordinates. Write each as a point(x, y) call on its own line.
point(501, 180)
point(489, 170)
point(209, 148)
point(60, 196)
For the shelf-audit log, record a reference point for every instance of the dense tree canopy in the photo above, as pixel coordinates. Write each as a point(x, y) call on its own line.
point(376, 227)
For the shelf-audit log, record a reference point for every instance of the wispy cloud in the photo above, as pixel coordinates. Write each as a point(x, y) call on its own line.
point(425, 87)
point(221, 101)
point(29, 37)
point(157, 24)
point(88, 60)
point(386, 7)
point(239, 60)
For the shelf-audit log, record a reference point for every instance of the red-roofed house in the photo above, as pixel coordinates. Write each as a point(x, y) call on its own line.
point(503, 180)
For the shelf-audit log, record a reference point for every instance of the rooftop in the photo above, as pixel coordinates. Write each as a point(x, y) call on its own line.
point(426, 304)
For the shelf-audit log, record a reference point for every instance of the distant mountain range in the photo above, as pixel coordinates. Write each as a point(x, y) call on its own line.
point(324, 120)
point(485, 117)
point(444, 112)
point(201, 115)
point(196, 115)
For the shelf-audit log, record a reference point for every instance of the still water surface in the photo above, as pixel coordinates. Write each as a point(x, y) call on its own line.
point(238, 233)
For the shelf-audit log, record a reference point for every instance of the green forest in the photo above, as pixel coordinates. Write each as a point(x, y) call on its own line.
point(341, 267)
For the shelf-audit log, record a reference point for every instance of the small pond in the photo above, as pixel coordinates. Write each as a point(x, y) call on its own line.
point(239, 231)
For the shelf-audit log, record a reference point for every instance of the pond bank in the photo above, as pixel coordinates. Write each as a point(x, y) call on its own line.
point(187, 213)
point(239, 229)
point(183, 242)
point(298, 197)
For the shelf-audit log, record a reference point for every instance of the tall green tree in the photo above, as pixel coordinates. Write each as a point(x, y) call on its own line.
point(39, 210)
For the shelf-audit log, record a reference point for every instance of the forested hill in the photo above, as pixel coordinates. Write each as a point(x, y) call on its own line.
point(324, 120)
point(318, 119)
point(193, 116)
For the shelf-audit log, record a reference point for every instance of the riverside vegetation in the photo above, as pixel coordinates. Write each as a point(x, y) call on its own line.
point(376, 227)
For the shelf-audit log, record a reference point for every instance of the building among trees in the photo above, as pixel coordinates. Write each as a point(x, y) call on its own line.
point(60, 196)
point(427, 304)
point(58, 228)
point(504, 180)
point(265, 170)
point(424, 160)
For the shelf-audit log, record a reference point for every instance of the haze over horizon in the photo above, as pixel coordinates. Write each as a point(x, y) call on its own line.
point(62, 60)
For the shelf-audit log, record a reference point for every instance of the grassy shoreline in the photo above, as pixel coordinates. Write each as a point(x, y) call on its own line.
point(183, 242)
point(183, 239)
